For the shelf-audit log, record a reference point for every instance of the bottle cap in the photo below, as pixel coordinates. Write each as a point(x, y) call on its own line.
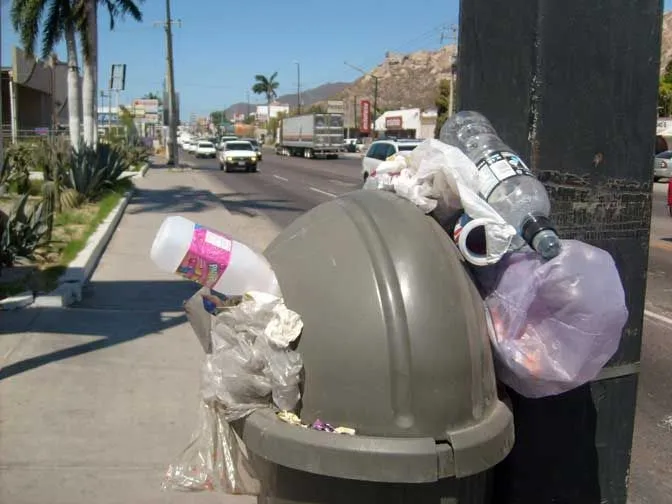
point(533, 225)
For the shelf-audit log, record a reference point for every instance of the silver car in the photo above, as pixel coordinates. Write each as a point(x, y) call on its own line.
point(662, 166)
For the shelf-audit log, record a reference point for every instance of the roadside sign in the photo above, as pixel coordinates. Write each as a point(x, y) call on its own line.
point(335, 107)
point(365, 126)
point(394, 122)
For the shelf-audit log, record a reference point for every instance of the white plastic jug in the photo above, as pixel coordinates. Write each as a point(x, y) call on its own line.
point(211, 258)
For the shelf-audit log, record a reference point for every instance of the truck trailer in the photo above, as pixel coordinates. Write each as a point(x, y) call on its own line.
point(311, 135)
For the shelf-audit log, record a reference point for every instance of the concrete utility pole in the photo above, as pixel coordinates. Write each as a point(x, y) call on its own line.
point(172, 154)
point(591, 146)
point(2, 131)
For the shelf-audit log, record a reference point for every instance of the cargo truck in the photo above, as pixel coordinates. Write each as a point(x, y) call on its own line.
point(311, 135)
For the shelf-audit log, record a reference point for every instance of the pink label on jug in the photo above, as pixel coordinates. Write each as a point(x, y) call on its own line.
point(207, 258)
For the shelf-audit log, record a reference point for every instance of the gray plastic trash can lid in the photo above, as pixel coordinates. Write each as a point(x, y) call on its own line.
point(394, 344)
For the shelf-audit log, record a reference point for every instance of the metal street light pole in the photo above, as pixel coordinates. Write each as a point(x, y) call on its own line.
point(298, 86)
point(375, 92)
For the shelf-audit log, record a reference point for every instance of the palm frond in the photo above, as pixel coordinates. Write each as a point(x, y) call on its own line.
point(26, 17)
point(53, 28)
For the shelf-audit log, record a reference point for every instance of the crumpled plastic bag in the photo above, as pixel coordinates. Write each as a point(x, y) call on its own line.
point(215, 459)
point(249, 363)
point(435, 173)
point(553, 324)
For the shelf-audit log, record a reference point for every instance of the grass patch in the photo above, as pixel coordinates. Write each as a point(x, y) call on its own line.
point(72, 229)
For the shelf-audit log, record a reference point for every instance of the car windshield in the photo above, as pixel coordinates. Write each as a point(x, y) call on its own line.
point(665, 155)
point(205, 144)
point(407, 147)
point(239, 146)
point(253, 142)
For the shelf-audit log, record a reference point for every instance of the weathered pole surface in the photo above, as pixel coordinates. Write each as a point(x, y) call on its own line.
point(572, 86)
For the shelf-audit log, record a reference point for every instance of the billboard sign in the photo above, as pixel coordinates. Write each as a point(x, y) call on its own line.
point(105, 118)
point(335, 107)
point(145, 107)
point(365, 126)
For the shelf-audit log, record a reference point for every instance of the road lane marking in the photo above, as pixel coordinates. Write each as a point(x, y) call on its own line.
point(331, 195)
point(659, 318)
point(281, 178)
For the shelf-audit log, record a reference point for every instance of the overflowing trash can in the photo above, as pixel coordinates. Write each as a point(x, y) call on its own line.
point(395, 346)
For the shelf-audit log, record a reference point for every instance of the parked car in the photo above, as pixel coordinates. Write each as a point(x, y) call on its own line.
point(238, 154)
point(205, 149)
point(662, 165)
point(380, 150)
point(255, 144)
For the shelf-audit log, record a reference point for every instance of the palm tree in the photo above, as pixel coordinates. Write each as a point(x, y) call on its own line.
point(27, 18)
point(88, 30)
point(266, 86)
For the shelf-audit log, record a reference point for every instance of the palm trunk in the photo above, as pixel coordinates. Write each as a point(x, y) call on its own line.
point(74, 94)
point(89, 85)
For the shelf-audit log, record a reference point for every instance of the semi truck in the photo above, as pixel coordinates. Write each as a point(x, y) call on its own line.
point(311, 135)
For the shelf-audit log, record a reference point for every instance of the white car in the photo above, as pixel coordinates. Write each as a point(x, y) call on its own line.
point(380, 150)
point(225, 139)
point(205, 149)
point(238, 154)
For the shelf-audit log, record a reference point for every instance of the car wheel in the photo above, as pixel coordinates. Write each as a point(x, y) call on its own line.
point(221, 166)
point(227, 169)
point(253, 169)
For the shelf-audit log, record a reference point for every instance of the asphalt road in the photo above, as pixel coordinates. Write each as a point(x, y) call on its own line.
point(286, 187)
point(282, 188)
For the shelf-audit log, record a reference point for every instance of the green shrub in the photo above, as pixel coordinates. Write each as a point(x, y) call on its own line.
point(23, 231)
point(19, 160)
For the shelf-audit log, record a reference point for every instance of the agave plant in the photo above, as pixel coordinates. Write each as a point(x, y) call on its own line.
point(94, 170)
point(25, 229)
point(116, 163)
point(86, 175)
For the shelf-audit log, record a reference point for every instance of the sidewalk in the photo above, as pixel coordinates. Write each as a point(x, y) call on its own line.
point(96, 400)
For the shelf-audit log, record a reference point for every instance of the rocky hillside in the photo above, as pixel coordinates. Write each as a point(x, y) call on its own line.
point(666, 41)
point(405, 80)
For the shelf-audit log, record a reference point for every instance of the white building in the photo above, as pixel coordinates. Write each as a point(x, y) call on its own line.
point(276, 108)
point(407, 123)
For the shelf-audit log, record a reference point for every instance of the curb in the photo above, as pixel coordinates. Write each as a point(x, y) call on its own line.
point(143, 170)
point(80, 269)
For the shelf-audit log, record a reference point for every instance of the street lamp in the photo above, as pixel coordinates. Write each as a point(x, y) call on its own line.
point(298, 86)
point(375, 92)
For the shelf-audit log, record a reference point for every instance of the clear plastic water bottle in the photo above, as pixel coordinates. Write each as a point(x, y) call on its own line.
point(506, 183)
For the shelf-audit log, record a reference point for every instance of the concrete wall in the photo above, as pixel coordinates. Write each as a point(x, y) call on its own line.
point(40, 88)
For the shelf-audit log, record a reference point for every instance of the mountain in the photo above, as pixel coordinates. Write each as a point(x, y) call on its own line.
point(666, 41)
point(308, 97)
point(404, 80)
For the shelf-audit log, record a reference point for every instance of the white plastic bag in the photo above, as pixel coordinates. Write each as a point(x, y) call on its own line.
point(436, 171)
point(554, 324)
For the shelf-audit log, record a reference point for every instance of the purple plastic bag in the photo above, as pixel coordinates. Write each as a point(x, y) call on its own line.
point(553, 324)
